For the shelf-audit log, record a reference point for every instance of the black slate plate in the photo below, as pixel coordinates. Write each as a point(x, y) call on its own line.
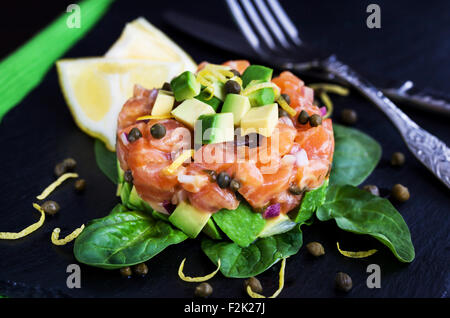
point(413, 43)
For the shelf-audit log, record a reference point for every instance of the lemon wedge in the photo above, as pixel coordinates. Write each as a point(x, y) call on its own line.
point(95, 89)
point(141, 40)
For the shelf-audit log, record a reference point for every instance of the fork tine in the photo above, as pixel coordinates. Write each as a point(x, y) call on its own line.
point(272, 23)
point(245, 27)
point(257, 22)
point(287, 24)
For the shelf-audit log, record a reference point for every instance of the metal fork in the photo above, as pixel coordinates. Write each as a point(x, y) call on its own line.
point(274, 37)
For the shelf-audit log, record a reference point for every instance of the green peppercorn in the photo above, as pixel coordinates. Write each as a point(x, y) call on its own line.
point(349, 116)
point(287, 98)
point(140, 269)
point(315, 120)
point(235, 72)
point(235, 185)
point(232, 87)
point(203, 290)
point(134, 135)
point(80, 185)
point(158, 131)
point(303, 117)
point(128, 176)
point(50, 207)
point(397, 159)
point(343, 282)
point(254, 284)
point(295, 189)
point(126, 271)
point(223, 180)
point(400, 193)
point(372, 189)
point(166, 87)
point(282, 112)
point(315, 249)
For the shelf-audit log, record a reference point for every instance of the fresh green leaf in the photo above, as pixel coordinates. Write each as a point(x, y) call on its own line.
point(360, 212)
point(310, 202)
point(241, 225)
point(106, 161)
point(243, 262)
point(355, 156)
point(124, 239)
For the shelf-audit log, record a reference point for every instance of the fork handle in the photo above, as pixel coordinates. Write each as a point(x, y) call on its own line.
point(428, 149)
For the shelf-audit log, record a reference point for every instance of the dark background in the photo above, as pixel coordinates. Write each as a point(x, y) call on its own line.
point(413, 44)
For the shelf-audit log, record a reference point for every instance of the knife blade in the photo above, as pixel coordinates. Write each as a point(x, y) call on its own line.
point(233, 42)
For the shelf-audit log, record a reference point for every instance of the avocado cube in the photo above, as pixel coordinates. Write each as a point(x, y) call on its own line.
point(214, 102)
point(219, 90)
point(189, 219)
point(261, 120)
point(185, 86)
point(215, 128)
point(189, 110)
point(256, 72)
point(261, 97)
point(163, 104)
point(238, 105)
point(277, 225)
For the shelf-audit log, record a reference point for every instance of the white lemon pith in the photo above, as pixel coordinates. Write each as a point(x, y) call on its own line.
point(95, 89)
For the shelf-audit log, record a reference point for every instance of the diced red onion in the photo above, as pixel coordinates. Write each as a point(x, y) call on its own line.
point(272, 211)
point(124, 138)
point(323, 111)
point(169, 206)
point(301, 158)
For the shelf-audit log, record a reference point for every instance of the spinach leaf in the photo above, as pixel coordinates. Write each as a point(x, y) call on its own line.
point(241, 225)
point(243, 262)
point(310, 202)
point(360, 212)
point(106, 161)
point(355, 156)
point(123, 239)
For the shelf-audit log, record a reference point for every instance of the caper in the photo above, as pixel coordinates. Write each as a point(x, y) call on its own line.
point(254, 284)
point(140, 269)
point(315, 249)
point(397, 159)
point(128, 176)
point(158, 131)
point(80, 185)
point(166, 87)
point(235, 185)
point(287, 98)
point(212, 175)
point(372, 189)
point(203, 290)
point(50, 207)
point(223, 180)
point(343, 282)
point(282, 112)
point(295, 189)
point(232, 87)
point(315, 120)
point(134, 135)
point(126, 271)
point(60, 169)
point(303, 117)
point(400, 193)
point(349, 116)
point(70, 164)
point(235, 72)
